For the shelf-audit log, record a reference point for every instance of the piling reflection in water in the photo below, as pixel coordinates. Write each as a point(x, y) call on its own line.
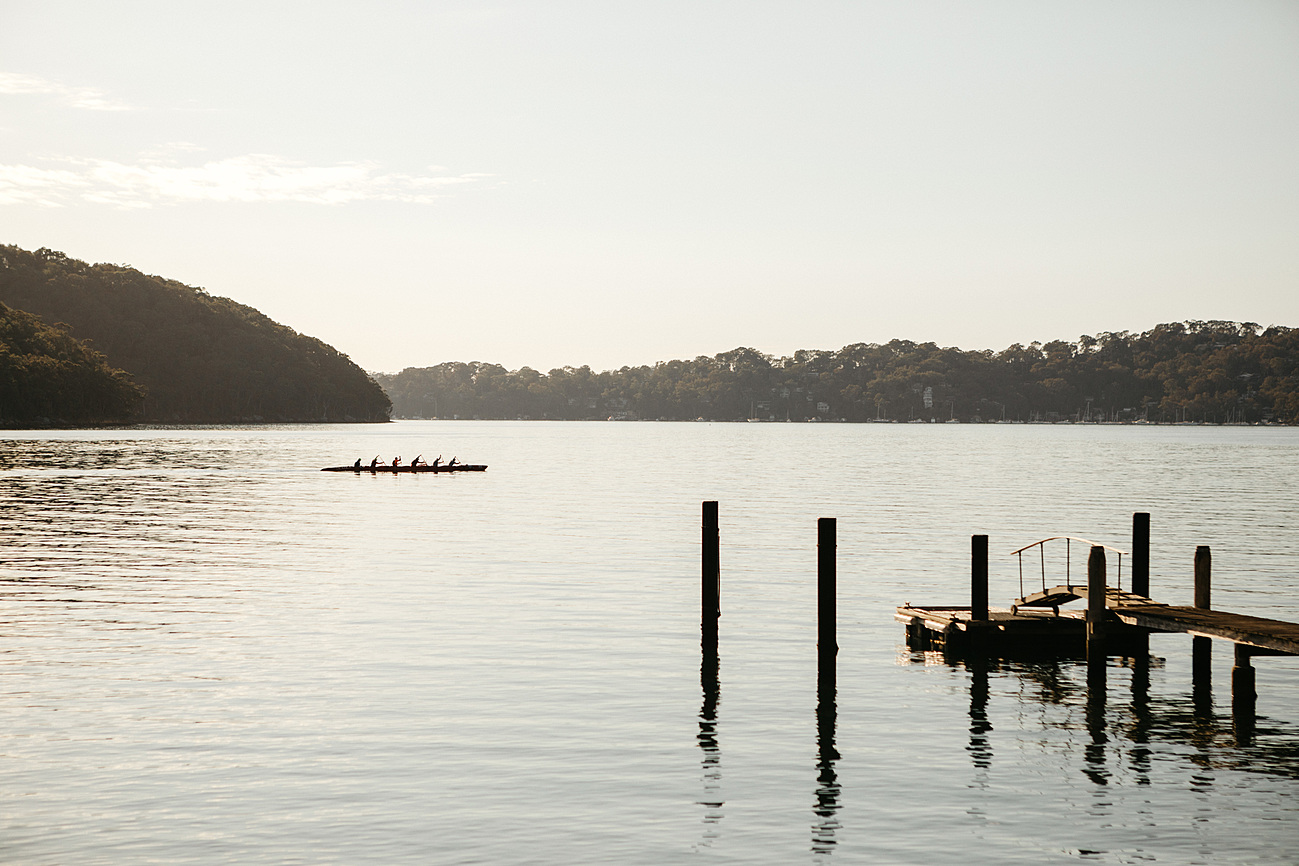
point(1094, 763)
point(1202, 675)
point(1139, 729)
point(709, 669)
point(710, 681)
point(1243, 696)
point(827, 779)
point(980, 747)
point(1119, 738)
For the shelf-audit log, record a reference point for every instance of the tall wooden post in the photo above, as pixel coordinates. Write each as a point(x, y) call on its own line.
point(1137, 641)
point(1203, 576)
point(1096, 610)
point(1141, 553)
point(711, 583)
point(827, 792)
point(1202, 647)
point(1097, 688)
point(826, 645)
point(979, 577)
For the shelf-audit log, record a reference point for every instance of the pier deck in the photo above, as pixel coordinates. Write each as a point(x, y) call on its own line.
point(1037, 623)
point(953, 629)
point(1270, 635)
point(1114, 622)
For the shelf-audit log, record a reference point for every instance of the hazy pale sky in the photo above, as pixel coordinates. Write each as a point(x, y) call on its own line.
point(613, 183)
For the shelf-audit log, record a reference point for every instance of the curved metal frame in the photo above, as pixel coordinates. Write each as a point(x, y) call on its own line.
point(1067, 539)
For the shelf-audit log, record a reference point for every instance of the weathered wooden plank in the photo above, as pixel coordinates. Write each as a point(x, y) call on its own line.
point(1254, 631)
point(1142, 612)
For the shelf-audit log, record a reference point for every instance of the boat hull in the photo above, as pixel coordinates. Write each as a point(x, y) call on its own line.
point(437, 470)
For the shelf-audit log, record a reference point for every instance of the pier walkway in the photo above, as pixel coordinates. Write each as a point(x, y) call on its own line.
point(1036, 623)
point(1268, 635)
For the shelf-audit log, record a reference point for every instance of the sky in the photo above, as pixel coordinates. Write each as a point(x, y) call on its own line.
point(616, 183)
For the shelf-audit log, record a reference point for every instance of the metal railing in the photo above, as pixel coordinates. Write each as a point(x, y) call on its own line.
point(1068, 576)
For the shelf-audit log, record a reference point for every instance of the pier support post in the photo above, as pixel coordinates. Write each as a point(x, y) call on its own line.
point(1097, 688)
point(826, 645)
point(1141, 553)
point(979, 577)
point(827, 791)
point(1203, 576)
point(711, 583)
point(1096, 610)
point(1137, 641)
point(1244, 695)
point(1202, 677)
point(979, 634)
point(1202, 647)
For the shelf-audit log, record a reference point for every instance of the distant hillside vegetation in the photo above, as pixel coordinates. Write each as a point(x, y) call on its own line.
point(199, 358)
point(49, 378)
point(1214, 372)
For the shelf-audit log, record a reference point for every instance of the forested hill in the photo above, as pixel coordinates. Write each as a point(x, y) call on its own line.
point(1215, 372)
point(49, 378)
point(199, 358)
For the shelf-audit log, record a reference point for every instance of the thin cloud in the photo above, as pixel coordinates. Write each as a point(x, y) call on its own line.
point(87, 98)
point(246, 179)
point(24, 184)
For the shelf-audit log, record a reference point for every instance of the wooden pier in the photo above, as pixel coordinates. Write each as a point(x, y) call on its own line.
point(1036, 623)
point(1114, 621)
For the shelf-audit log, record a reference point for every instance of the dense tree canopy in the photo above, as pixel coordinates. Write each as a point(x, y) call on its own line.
point(1184, 371)
point(199, 358)
point(48, 377)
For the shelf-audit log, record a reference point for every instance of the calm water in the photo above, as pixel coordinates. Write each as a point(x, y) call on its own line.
point(210, 652)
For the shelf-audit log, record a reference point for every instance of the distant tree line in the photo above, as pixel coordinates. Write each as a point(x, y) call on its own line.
point(197, 358)
point(49, 378)
point(1215, 372)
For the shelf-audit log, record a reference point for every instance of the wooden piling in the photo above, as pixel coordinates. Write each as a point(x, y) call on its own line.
point(1096, 673)
point(826, 646)
point(1203, 576)
point(1137, 642)
point(1202, 678)
point(1141, 553)
point(979, 577)
point(1096, 611)
point(1202, 647)
point(1244, 695)
point(711, 583)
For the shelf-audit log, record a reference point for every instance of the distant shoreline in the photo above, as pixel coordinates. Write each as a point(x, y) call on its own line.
point(872, 421)
point(1181, 372)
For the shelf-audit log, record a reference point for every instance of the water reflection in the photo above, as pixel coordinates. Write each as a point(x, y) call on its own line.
point(1243, 696)
point(711, 683)
point(828, 789)
point(1094, 761)
point(1202, 676)
point(1244, 725)
point(1138, 730)
point(980, 747)
point(82, 455)
point(1121, 736)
